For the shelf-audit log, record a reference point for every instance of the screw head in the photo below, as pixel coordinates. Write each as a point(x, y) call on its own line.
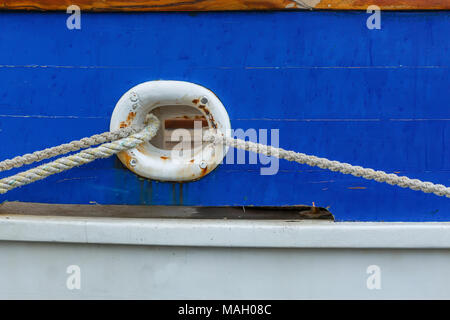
point(133, 97)
point(133, 162)
point(204, 100)
point(203, 165)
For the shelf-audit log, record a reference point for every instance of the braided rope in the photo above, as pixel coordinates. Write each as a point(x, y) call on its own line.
point(65, 148)
point(357, 171)
point(62, 164)
point(127, 142)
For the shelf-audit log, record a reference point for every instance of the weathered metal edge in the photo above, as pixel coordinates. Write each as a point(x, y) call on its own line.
point(225, 233)
point(221, 5)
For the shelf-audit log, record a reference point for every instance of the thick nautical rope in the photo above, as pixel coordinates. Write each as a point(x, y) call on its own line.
point(65, 148)
point(357, 171)
point(62, 164)
point(129, 142)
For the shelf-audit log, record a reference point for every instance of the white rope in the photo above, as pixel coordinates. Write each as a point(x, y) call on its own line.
point(370, 174)
point(128, 142)
point(65, 148)
point(62, 164)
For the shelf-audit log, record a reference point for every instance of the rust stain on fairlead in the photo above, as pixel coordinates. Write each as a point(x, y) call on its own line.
point(142, 149)
point(204, 109)
point(125, 158)
point(127, 122)
point(204, 171)
point(210, 116)
point(164, 158)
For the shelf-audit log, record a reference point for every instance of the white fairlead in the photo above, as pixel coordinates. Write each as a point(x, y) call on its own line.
point(176, 104)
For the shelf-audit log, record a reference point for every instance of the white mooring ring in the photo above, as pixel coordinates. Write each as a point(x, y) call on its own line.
point(156, 163)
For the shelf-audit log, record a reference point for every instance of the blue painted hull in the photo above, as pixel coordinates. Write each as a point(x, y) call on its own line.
point(335, 89)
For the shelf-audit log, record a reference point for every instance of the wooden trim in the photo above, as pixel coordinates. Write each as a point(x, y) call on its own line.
point(221, 5)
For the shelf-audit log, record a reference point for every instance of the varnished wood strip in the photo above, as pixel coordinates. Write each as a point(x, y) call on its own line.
point(213, 5)
point(384, 4)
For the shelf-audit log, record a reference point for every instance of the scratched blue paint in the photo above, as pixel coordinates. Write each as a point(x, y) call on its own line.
point(376, 98)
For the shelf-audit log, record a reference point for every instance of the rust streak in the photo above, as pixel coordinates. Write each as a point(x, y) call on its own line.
point(209, 115)
point(204, 171)
point(130, 119)
point(131, 116)
point(142, 149)
point(125, 158)
point(204, 108)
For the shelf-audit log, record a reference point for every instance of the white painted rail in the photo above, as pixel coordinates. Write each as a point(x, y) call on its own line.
point(225, 233)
